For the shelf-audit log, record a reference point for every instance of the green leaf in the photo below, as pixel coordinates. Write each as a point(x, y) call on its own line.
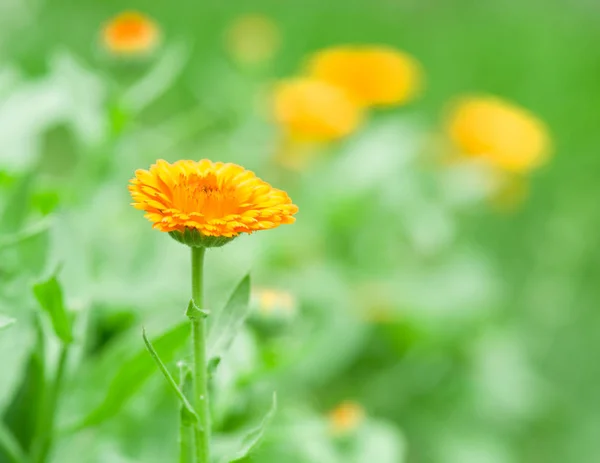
point(22, 415)
point(229, 320)
point(252, 437)
point(10, 446)
point(5, 321)
point(49, 295)
point(133, 373)
point(191, 414)
point(33, 231)
point(15, 213)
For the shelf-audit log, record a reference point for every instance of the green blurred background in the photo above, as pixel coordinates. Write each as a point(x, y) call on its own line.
point(467, 334)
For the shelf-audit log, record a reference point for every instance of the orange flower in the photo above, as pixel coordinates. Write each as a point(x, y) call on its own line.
point(252, 39)
point(507, 135)
point(274, 303)
point(373, 76)
point(130, 33)
point(346, 418)
point(208, 203)
point(311, 110)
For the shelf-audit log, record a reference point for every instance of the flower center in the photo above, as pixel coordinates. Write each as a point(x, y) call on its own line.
point(202, 194)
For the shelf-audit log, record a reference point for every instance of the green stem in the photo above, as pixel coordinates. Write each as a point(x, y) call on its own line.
point(186, 428)
point(186, 440)
point(200, 372)
point(49, 415)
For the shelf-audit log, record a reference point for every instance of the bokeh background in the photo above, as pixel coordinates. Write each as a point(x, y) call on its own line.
point(410, 315)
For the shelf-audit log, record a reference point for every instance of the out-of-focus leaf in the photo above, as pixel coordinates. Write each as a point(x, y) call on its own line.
point(381, 443)
point(49, 295)
point(158, 79)
point(45, 201)
point(133, 373)
point(9, 446)
point(34, 230)
point(13, 216)
point(187, 407)
point(5, 321)
point(228, 321)
point(250, 439)
point(22, 415)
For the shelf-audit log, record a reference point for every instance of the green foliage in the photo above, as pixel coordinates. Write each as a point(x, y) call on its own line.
point(5, 321)
point(466, 332)
point(190, 414)
point(50, 297)
point(248, 439)
point(227, 322)
point(133, 372)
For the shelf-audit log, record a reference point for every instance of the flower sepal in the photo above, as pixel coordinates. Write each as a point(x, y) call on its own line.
point(195, 239)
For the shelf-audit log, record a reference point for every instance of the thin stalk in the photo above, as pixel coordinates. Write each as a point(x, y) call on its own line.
point(49, 415)
point(200, 371)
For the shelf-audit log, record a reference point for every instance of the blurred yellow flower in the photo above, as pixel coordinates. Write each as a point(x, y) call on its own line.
point(195, 200)
point(311, 110)
point(273, 302)
point(346, 418)
point(130, 33)
point(507, 135)
point(373, 76)
point(252, 39)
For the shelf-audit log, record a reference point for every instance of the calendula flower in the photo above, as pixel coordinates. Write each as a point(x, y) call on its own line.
point(507, 135)
point(274, 303)
point(252, 39)
point(130, 33)
point(346, 418)
point(312, 110)
point(207, 204)
point(373, 76)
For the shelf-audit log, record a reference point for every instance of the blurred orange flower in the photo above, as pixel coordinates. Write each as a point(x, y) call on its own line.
point(373, 76)
point(252, 39)
point(194, 200)
point(508, 136)
point(311, 110)
point(130, 33)
point(274, 303)
point(346, 418)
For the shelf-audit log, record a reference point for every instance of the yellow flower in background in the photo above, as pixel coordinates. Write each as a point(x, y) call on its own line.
point(346, 418)
point(274, 303)
point(252, 39)
point(373, 76)
point(130, 33)
point(509, 136)
point(208, 203)
point(311, 110)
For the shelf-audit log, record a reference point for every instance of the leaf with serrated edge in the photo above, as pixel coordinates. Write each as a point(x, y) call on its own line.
point(229, 320)
point(253, 436)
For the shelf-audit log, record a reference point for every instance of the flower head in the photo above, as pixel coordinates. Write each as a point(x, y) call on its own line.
point(312, 110)
point(507, 135)
point(274, 303)
point(252, 39)
point(346, 418)
point(130, 33)
point(208, 203)
point(373, 76)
